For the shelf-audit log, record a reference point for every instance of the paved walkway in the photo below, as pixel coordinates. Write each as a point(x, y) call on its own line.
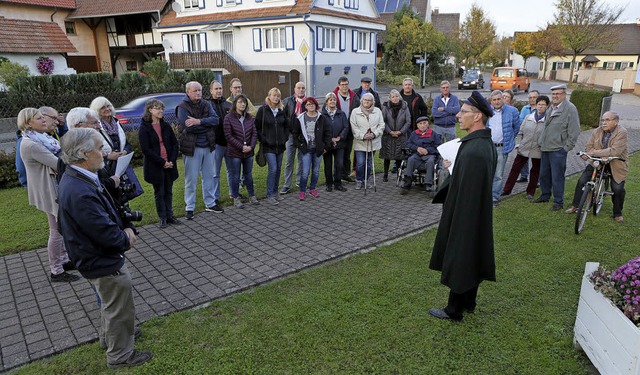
point(213, 256)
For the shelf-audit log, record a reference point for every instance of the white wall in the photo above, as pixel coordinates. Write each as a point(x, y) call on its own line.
point(29, 60)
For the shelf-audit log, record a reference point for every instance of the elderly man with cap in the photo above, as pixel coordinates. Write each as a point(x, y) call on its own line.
point(423, 143)
point(463, 249)
point(561, 131)
point(365, 87)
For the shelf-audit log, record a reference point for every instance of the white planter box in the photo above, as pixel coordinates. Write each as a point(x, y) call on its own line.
point(609, 339)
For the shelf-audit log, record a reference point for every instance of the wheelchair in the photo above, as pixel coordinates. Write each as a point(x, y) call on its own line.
point(418, 176)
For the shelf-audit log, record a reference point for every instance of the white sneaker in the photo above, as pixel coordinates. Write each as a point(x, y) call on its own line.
point(253, 200)
point(273, 201)
point(238, 203)
point(358, 185)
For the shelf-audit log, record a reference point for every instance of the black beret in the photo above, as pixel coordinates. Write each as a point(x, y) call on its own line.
point(422, 118)
point(477, 100)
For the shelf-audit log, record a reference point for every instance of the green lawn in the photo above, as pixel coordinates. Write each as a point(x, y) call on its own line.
point(368, 313)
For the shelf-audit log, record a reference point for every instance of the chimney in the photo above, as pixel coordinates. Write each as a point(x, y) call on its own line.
point(437, 11)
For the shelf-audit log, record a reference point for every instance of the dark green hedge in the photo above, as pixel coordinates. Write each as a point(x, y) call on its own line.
point(589, 102)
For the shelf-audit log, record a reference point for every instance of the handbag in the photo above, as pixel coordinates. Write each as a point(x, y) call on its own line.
point(260, 159)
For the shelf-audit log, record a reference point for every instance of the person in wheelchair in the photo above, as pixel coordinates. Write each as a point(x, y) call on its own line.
point(423, 143)
point(608, 140)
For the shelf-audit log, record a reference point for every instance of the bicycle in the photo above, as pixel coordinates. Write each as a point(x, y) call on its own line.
point(594, 190)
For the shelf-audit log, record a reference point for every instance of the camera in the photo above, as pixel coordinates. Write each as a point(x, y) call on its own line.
point(126, 213)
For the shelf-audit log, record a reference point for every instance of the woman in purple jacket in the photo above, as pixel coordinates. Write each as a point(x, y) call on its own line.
point(241, 135)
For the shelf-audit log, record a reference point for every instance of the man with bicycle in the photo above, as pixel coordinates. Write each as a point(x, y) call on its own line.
point(608, 140)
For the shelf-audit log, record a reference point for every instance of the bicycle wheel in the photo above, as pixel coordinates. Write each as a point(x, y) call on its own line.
point(599, 196)
point(583, 207)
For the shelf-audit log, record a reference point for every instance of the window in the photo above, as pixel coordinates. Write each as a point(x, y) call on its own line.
point(330, 39)
point(352, 4)
point(274, 38)
point(362, 41)
point(227, 41)
point(191, 4)
point(609, 65)
point(70, 27)
point(194, 42)
point(132, 66)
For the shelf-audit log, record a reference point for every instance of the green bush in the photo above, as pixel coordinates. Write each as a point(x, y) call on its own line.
point(204, 76)
point(589, 102)
point(132, 138)
point(12, 71)
point(8, 174)
point(133, 81)
point(176, 80)
point(156, 70)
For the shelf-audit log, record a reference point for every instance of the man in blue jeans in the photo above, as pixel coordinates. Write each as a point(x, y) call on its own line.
point(221, 106)
point(197, 122)
point(561, 131)
point(444, 109)
point(504, 125)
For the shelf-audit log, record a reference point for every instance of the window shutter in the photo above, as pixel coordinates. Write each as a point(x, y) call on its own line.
point(185, 43)
point(258, 1)
point(319, 38)
point(257, 39)
point(343, 40)
point(201, 4)
point(238, 2)
point(372, 42)
point(289, 42)
point(203, 42)
point(354, 40)
point(219, 3)
point(331, 2)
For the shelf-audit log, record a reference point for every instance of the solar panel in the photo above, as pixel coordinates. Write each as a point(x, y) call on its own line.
point(391, 7)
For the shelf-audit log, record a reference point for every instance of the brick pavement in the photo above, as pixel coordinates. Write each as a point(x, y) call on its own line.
point(213, 256)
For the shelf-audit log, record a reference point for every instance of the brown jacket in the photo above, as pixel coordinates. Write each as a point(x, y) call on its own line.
point(617, 147)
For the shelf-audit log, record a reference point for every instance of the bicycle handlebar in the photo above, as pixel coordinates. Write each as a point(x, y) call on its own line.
point(605, 160)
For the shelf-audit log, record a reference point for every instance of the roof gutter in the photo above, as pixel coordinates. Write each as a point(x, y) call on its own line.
point(313, 55)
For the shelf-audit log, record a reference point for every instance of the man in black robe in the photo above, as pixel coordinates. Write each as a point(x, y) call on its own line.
point(463, 249)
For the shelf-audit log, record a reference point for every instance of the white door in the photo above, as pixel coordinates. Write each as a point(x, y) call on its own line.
point(227, 41)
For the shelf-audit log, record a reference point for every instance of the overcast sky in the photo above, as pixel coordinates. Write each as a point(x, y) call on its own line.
point(509, 15)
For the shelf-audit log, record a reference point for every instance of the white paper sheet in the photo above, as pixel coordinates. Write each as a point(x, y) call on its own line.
point(123, 163)
point(449, 151)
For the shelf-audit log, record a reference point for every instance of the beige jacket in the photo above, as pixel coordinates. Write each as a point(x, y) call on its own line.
point(360, 124)
point(527, 138)
point(617, 147)
point(41, 166)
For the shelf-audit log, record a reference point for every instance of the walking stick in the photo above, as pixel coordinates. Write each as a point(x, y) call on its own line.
point(366, 164)
point(373, 166)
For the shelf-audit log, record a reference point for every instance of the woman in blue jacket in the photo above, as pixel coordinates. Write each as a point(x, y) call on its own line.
point(334, 155)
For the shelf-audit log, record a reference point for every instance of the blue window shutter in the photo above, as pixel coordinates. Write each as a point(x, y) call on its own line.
point(319, 38)
point(289, 42)
point(372, 42)
point(257, 39)
point(201, 4)
point(203, 41)
point(343, 40)
point(347, 3)
point(185, 43)
point(354, 40)
point(218, 3)
point(258, 1)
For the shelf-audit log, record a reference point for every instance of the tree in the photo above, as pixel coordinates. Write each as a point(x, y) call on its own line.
point(586, 24)
point(408, 35)
point(547, 44)
point(523, 45)
point(497, 53)
point(476, 34)
point(11, 72)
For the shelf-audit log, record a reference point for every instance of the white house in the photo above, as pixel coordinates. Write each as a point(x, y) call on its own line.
point(322, 39)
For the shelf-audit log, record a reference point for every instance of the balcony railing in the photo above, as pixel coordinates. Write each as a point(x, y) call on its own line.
point(205, 60)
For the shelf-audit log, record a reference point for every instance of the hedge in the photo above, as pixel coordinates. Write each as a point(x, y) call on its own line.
point(589, 103)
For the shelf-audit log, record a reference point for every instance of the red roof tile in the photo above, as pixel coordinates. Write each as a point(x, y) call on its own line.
point(301, 7)
point(66, 4)
point(26, 36)
point(101, 8)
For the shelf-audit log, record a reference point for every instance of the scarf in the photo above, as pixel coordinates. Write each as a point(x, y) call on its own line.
point(426, 134)
point(395, 108)
point(299, 108)
point(44, 139)
point(366, 111)
point(110, 127)
point(538, 117)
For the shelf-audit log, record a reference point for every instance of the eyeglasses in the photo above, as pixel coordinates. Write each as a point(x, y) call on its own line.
point(468, 111)
point(158, 108)
point(49, 116)
point(236, 87)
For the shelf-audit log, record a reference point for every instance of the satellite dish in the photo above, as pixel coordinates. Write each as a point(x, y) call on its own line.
point(176, 7)
point(166, 43)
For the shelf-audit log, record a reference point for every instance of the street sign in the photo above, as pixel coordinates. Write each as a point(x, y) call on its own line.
point(421, 61)
point(304, 49)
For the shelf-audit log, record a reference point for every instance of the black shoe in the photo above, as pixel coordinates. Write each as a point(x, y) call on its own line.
point(428, 188)
point(137, 332)
point(440, 314)
point(64, 278)
point(189, 215)
point(540, 200)
point(163, 223)
point(69, 266)
point(348, 179)
point(173, 220)
point(329, 188)
point(340, 188)
point(385, 178)
point(137, 358)
point(556, 207)
point(522, 179)
point(394, 169)
point(215, 208)
point(504, 194)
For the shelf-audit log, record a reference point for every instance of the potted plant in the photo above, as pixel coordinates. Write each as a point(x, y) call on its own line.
point(608, 320)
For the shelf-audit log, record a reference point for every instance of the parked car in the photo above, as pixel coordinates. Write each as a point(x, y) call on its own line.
point(471, 80)
point(516, 79)
point(130, 114)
